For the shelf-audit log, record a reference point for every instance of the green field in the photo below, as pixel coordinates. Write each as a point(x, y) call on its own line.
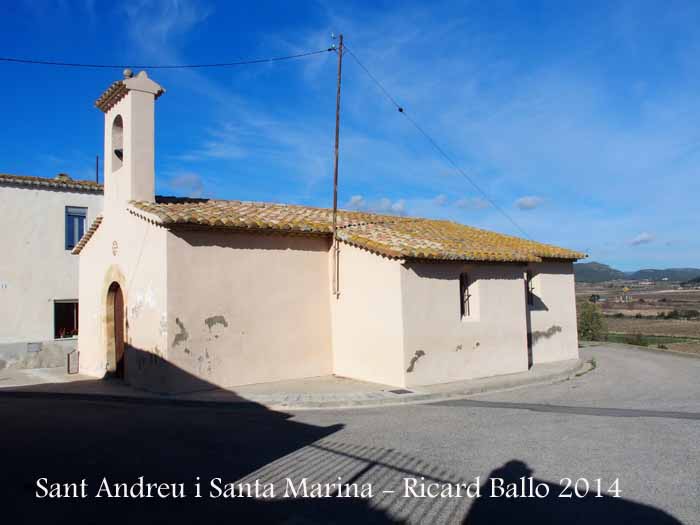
point(647, 340)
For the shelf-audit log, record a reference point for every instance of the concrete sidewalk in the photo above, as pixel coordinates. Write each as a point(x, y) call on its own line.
point(312, 393)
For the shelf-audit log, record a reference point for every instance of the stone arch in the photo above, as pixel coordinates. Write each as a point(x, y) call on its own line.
point(114, 286)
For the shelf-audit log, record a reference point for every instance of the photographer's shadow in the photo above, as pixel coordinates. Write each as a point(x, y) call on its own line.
point(591, 508)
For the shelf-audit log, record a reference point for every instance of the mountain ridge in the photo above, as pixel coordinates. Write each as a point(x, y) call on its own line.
point(595, 272)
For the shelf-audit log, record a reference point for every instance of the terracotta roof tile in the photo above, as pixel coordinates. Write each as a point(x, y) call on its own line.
point(114, 93)
point(87, 235)
point(61, 181)
point(393, 236)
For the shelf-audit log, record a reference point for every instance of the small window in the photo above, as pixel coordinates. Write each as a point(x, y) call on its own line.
point(464, 295)
point(75, 225)
point(65, 319)
point(530, 287)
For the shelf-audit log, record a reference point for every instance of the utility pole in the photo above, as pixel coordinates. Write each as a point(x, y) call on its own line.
point(336, 248)
point(97, 169)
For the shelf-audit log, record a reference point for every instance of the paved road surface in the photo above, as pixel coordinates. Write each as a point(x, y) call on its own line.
point(635, 419)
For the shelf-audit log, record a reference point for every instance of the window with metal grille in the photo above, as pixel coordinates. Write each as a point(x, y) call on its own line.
point(464, 295)
point(75, 225)
point(530, 287)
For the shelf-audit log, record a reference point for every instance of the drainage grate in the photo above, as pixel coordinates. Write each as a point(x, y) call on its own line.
point(401, 391)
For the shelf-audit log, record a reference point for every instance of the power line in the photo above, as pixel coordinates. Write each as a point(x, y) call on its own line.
point(432, 141)
point(169, 66)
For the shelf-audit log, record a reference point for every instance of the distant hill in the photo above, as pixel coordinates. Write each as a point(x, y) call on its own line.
point(672, 274)
point(594, 272)
point(692, 282)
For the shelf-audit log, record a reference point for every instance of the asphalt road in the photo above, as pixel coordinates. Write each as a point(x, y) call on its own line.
point(634, 419)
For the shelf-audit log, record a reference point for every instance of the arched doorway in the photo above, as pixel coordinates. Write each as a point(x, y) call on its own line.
point(115, 331)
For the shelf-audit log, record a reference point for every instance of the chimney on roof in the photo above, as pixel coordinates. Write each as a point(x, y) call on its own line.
point(129, 138)
point(63, 177)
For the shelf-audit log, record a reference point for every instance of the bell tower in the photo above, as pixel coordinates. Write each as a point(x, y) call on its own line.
point(129, 138)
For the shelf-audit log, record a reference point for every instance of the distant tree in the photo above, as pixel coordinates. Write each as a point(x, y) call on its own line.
point(636, 339)
point(591, 325)
point(673, 314)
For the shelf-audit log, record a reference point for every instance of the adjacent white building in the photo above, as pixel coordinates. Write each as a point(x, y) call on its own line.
point(44, 220)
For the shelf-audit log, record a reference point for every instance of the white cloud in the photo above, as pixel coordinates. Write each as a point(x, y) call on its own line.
point(189, 184)
point(642, 238)
point(440, 200)
point(357, 202)
point(529, 202)
point(398, 207)
point(472, 203)
point(383, 205)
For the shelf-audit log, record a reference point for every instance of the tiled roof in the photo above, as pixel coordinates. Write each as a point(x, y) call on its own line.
point(87, 235)
point(392, 236)
point(114, 93)
point(61, 181)
point(447, 240)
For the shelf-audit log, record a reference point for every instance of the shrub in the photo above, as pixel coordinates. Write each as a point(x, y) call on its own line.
point(662, 347)
point(636, 339)
point(591, 326)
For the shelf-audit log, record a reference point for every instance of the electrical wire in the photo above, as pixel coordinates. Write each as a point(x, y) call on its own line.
point(384, 91)
point(435, 145)
point(171, 66)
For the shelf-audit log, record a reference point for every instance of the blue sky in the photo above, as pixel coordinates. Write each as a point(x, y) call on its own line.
point(579, 119)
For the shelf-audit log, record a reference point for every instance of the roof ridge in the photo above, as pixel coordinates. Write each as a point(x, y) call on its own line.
point(59, 181)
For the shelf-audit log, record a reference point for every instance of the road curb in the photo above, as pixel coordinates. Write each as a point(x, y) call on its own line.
point(579, 367)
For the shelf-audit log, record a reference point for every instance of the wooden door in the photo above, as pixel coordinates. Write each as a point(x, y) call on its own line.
point(119, 331)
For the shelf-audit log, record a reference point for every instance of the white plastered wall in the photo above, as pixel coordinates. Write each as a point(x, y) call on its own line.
point(246, 308)
point(130, 251)
point(367, 327)
point(553, 314)
point(440, 346)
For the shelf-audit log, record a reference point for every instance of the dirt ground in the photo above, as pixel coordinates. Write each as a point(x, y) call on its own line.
point(672, 327)
point(648, 300)
point(689, 348)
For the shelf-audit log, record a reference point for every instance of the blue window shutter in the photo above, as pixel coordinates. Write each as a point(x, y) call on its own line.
point(81, 228)
point(75, 225)
point(69, 232)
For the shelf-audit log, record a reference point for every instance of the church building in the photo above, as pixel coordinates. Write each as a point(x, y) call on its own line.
point(181, 294)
